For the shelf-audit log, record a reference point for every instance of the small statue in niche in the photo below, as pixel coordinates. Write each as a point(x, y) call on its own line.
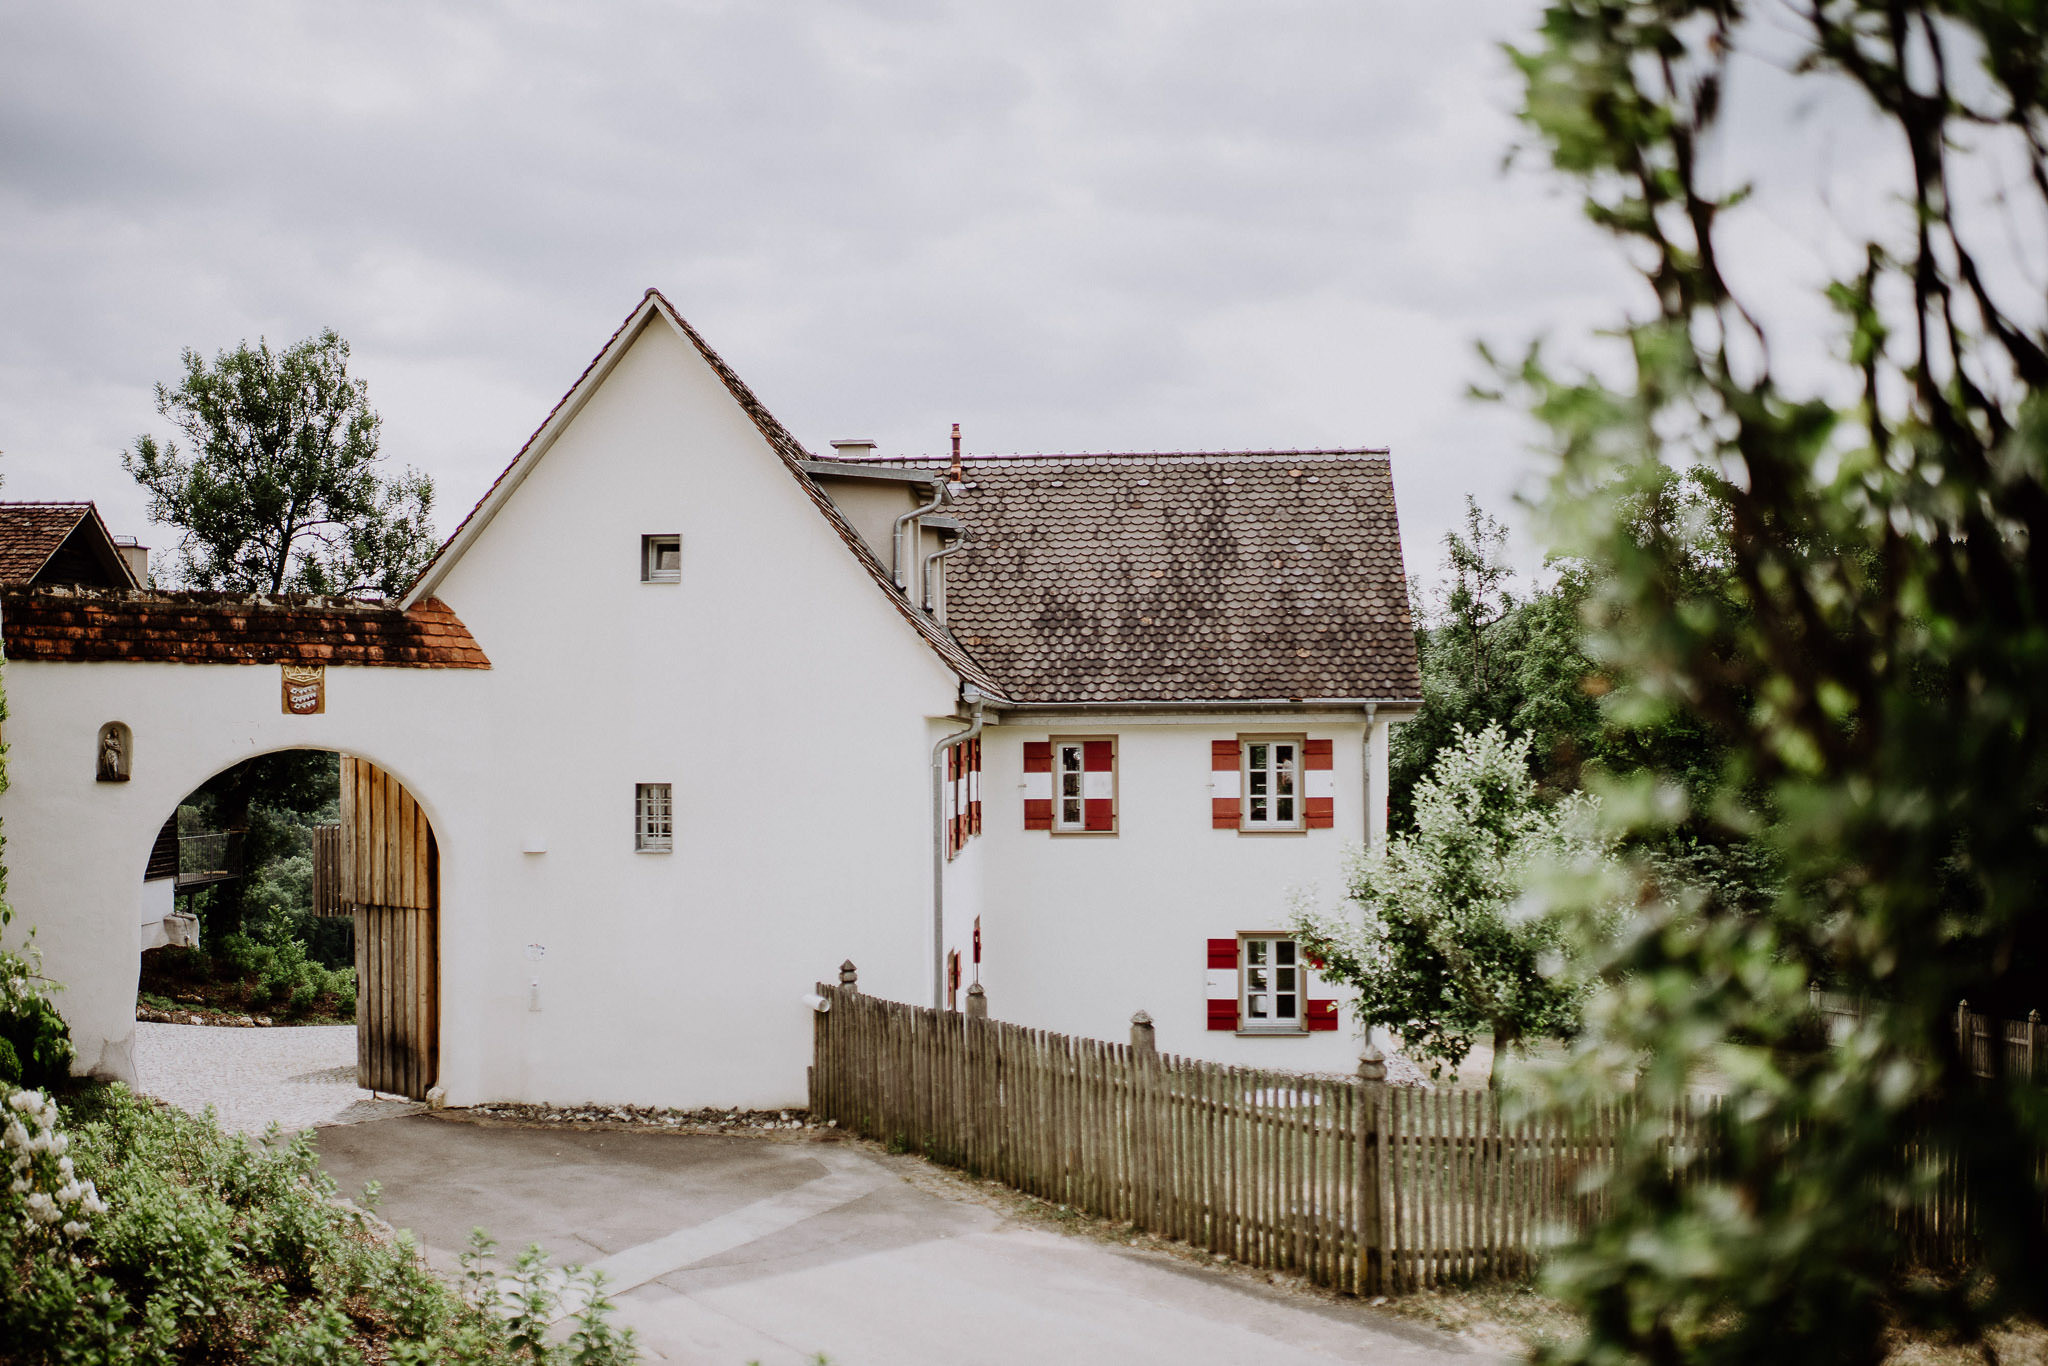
point(114, 749)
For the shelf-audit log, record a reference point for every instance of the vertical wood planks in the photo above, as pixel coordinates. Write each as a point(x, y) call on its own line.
point(1364, 1187)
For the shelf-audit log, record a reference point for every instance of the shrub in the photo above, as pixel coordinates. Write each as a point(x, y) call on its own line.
point(191, 1244)
point(35, 1043)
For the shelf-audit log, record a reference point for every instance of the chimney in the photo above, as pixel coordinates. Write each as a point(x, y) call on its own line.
point(852, 449)
point(954, 476)
point(136, 557)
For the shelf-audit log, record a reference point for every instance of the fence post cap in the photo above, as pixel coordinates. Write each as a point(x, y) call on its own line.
point(1372, 1064)
point(1141, 1018)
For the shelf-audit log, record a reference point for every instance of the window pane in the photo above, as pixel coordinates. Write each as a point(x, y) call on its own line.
point(1283, 782)
point(1283, 978)
point(1283, 756)
point(1070, 784)
point(1258, 759)
point(1070, 758)
point(1255, 951)
point(1255, 1007)
point(1070, 811)
point(1284, 1007)
point(1259, 783)
point(1283, 950)
point(1258, 808)
point(1255, 979)
point(1283, 809)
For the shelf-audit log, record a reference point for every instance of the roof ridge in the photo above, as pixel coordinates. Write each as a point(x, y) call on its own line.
point(1106, 457)
point(46, 502)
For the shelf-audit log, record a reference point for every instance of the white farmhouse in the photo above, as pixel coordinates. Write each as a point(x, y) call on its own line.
point(683, 715)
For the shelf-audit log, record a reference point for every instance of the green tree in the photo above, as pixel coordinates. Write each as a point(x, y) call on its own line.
point(1432, 940)
point(278, 489)
point(1874, 666)
point(1491, 654)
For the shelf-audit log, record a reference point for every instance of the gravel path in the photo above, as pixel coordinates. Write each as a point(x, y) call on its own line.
point(300, 1077)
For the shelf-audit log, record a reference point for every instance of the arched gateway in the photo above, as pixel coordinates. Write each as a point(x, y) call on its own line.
point(124, 701)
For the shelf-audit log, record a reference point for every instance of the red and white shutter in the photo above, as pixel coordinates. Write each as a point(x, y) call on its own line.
point(952, 800)
point(1222, 980)
point(962, 786)
point(1224, 784)
point(1038, 784)
point(1098, 785)
point(1319, 768)
point(974, 787)
point(1319, 1014)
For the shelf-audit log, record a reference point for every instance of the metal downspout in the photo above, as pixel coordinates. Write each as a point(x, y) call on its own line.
point(971, 695)
point(897, 559)
point(1371, 715)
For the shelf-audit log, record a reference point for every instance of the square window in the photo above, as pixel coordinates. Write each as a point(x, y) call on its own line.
point(1271, 769)
point(661, 559)
point(654, 825)
point(1268, 983)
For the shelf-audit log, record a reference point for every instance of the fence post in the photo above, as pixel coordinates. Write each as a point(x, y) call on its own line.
point(977, 1003)
point(849, 976)
point(1143, 1045)
point(2033, 1043)
point(1372, 1168)
point(1965, 1045)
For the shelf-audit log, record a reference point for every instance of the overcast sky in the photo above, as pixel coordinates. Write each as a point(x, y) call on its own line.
point(1085, 226)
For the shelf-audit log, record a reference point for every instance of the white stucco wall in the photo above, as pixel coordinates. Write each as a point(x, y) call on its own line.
point(1080, 931)
point(778, 691)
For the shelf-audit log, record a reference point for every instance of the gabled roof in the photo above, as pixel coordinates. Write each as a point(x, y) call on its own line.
point(83, 624)
point(1217, 577)
point(31, 535)
point(652, 308)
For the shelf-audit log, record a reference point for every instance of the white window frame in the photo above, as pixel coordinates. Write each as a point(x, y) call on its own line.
point(654, 818)
point(1061, 776)
point(650, 558)
point(1275, 777)
point(1078, 744)
point(1264, 979)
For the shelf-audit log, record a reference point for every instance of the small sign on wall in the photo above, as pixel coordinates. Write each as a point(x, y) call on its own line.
point(305, 689)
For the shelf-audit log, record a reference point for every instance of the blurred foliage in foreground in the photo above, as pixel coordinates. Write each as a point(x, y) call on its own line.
point(1873, 667)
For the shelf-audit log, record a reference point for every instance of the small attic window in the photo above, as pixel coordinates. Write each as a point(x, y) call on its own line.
point(661, 559)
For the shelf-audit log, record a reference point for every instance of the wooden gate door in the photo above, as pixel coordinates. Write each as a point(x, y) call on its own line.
point(390, 880)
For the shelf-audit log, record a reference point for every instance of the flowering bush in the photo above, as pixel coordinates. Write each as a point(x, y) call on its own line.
point(35, 1043)
point(53, 1202)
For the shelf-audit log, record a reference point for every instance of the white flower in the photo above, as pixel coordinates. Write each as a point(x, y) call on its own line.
point(74, 1229)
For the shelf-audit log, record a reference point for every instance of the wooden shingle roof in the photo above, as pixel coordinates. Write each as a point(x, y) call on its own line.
point(32, 534)
point(1211, 577)
point(73, 624)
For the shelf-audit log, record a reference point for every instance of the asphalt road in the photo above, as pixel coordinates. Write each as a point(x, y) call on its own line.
point(728, 1250)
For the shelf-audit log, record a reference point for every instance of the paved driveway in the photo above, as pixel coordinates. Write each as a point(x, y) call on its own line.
point(728, 1250)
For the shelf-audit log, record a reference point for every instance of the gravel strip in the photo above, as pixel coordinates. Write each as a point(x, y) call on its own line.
point(299, 1078)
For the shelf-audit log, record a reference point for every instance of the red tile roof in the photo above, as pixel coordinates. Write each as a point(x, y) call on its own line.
point(73, 624)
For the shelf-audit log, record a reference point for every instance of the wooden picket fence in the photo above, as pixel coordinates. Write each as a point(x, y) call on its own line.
point(2024, 1042)
point(1359, 1186)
